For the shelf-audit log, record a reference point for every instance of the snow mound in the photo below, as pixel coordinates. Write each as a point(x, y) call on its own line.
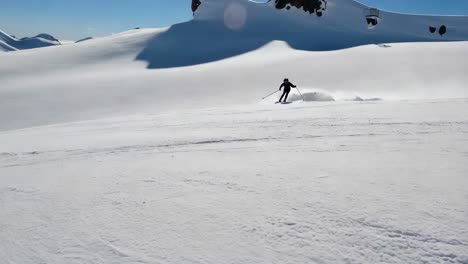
point(10, 43)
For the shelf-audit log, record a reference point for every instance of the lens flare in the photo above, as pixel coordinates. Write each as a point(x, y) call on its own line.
point(235, 16)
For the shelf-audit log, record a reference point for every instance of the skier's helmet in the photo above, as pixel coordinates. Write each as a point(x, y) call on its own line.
point(286, 80)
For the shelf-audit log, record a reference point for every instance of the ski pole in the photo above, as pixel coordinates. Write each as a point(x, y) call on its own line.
point(270, 94)
point(300, 94)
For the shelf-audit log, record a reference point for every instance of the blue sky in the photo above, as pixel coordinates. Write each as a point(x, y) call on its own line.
point(82, 18)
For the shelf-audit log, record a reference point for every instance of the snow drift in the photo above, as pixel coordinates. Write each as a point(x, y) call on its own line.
point(10, 43)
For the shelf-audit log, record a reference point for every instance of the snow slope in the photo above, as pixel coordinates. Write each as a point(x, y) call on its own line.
point(9, 43)
point(332, 182)
point(101, 77)
point(108, 76)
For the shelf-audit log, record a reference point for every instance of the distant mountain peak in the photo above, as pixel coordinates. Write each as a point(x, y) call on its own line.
point(12, 43)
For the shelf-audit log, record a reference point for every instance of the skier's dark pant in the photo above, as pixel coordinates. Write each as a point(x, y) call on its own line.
point(285, 95)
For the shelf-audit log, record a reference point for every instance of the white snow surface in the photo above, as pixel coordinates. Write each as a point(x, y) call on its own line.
point(153, 145)
point(326, 182)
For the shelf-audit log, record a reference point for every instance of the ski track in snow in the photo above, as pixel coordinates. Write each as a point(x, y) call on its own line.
point(306, 183)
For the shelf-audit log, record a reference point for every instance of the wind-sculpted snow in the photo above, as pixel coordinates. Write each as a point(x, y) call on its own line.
point(223, 29)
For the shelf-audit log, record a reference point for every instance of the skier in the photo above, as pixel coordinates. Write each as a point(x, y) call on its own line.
point(287, 88)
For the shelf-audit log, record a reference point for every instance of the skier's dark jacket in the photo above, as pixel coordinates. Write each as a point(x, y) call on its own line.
point(287, 86)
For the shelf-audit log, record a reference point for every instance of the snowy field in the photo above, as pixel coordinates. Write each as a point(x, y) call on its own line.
point(314, 182)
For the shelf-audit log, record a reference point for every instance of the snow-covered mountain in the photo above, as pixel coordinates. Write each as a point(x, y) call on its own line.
point(10, 43)
point(6, 47)
point(225, 28)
